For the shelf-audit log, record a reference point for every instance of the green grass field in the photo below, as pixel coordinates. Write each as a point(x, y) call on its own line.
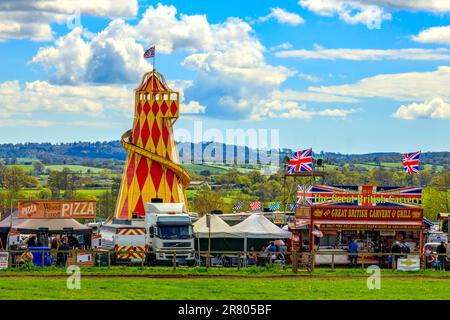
point(76, 168)
point(244, 284)
point(210, 289)
point(197, 168)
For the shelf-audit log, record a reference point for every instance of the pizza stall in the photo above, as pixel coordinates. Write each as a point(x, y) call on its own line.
point(335, 217)
point(47, 219)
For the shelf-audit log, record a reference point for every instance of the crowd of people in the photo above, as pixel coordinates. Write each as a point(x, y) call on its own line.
point(59, 246)
point(274, 251)
point(398, 250)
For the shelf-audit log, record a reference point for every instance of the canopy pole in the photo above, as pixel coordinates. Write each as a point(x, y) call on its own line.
point(245, 242)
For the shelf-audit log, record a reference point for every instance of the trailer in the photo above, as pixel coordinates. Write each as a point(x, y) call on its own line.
point(128, 242)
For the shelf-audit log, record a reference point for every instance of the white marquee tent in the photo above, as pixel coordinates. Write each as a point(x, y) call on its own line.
point(219, 228)
point(258, 226)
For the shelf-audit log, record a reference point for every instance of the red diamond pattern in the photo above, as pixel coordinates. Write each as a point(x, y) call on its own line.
point(145, 133)
point(165, 133)
point(140, 210)
point(156, 173)
point(130, 170)
point(146, 108)
point(136, 132)
point(169, 178)
point(155, 108)
point(142, 172)
point(156, 133)
point(164, 108)
point(139, 109)
point(124, 213)
point(173, 108)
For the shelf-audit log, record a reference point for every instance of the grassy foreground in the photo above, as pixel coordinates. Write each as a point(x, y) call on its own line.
point(204, 289)
point(321, 284)
point(199, 271)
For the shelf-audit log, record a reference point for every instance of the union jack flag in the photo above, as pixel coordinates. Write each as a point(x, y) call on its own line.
point(238, 205)
point(301, 161)
point(293, 205)
point(273, 206)
point(411, 162)
point(255, 205)
point(150, 53)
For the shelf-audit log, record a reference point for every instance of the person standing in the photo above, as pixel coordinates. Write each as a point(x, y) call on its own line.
point(395, 251)
point(441, 250)
point(353, 250)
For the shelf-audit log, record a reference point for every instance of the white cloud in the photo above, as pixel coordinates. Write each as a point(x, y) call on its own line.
point(351, 12)
point(233, 79)
point(26, 123)
point(436, 108)
point(288, 109)
point(110, 56)
point(367, 54)
point(32, 19)
point(294, 95)
point(283, 17)
point(409, 86)
point(41, 96)
point(282, 46)
point(192, 107)
point(308, 114)
point(439, 35)
point(371, 12)
point(309, 77)
point(415, 5)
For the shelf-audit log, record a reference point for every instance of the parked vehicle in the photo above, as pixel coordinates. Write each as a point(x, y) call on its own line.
point(120, 238)
point(168, 230)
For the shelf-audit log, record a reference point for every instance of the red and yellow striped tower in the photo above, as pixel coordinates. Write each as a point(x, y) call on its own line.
point(152, 167)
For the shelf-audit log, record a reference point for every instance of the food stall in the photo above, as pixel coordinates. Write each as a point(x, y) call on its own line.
point(369, 226)
point(375, 216)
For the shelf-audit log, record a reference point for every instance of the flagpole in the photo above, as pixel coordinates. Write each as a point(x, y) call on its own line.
point(154, 57)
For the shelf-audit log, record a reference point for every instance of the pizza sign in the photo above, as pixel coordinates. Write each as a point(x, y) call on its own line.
point(57, 209)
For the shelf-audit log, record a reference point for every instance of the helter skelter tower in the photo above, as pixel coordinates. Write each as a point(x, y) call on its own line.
point(152, 171)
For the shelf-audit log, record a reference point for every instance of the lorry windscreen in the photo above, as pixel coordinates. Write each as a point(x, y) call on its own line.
point(175, 231)
point(174, 227)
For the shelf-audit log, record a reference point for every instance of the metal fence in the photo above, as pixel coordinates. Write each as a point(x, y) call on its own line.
point(176, 258)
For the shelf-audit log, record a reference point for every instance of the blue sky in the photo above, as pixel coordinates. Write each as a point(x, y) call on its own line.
point(335, 75)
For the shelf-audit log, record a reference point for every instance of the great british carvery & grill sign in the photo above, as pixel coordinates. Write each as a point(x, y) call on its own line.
point(359, 196)
point(57, 209)
point(348, 213)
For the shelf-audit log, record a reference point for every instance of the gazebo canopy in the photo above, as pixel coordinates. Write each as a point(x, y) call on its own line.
point(11, 220)
point(258, 226)
point(219, 228)
point(52, 226)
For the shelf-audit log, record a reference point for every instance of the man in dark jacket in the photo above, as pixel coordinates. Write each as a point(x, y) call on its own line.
point(441, 250)
point(396, 250)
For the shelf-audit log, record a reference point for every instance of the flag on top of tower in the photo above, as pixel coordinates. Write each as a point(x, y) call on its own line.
point(301, 161)
point(150, 53)
point(411, 162)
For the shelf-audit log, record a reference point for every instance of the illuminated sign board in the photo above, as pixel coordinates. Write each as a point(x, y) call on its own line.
point(359, 196)
point(352, 213)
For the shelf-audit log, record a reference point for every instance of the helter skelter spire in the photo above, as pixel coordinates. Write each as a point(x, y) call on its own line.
point(152, 169)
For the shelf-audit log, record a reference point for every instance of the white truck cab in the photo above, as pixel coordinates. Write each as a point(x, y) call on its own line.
point(169, 230)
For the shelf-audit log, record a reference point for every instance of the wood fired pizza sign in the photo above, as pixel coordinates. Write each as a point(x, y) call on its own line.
point(367, 213)
point(57, 209)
